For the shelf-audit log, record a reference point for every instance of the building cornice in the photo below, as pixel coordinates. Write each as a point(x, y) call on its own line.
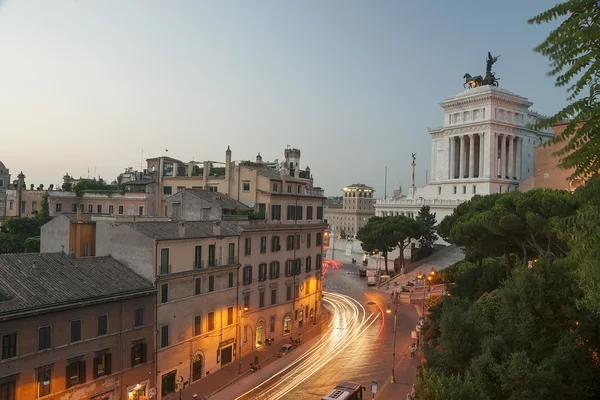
point(478, 127)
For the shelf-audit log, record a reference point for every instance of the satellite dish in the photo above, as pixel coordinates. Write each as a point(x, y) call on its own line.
point(250, 204)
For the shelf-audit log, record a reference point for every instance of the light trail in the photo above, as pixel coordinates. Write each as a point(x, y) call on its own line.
point(349, 321)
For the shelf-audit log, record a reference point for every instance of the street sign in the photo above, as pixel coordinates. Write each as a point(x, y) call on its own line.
point(373, 387)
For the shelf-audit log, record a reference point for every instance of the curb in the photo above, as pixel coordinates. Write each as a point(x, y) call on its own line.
point(243, 375)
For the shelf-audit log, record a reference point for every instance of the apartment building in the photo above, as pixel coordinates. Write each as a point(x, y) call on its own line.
point(195, 267)
point(353, 212)
point(74, 329)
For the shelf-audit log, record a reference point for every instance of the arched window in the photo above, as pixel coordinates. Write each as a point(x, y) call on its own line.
point(287, 324)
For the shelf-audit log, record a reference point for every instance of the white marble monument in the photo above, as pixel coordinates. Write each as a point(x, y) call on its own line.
point(485, 146)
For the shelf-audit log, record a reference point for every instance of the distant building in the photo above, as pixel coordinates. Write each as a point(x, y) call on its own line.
point(204, 205)
point(4, 186)
point(546, 172)
point(354, 211)
point(74, 328)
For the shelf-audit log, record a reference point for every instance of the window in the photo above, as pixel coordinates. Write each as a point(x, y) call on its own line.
point(246, 334)
point(138, 317)
point(306, 288)
point(263, 244)
point(90, 208)
point(229, 316)
point(272, 324)
point(44, 337)
point(291, 213)
point(141, 210)
point(102, 324)
point(247, 301)
point(164, 261)
point(76, 331)
point(211, 283)
point(298, 266)
point(289, 188)
point(274, 270)
point(75, 372)
point(262, 272)
point(73, 207)
point(308, 240)
point(86, 249)
point(318, 239)
point(7, 390)
point(164, 293)
point(261, 299)
point(307, 265)
point(275, 244)
point(299, 212)
point(309, 212)
point(230, 283)
point(454, 189)
point(168, 383)
point(58, 207)
point(319, 212)
point(276, 212)
point(318, 262)
point(99, 208)
point(102, 365)
point(212, 262)
point(11, 205)
point(164, 336)
point(197, 286)
point(247, 246)
point(111, 209)
point(82, 207)
point(198, 257)
point(464, 189)
point(245, 186)
point(289, 268)
point(297, 293)
point(275, 187)
point(138, 354)
point(247, 277)
point(9, 346)
point(167, 190)
point(197, 325)
point(474, 189)
point(290, 242)
point(273, 296)
point(297, 241)
point(211, 321)
point(288, 293)
point(44, 379)
point(23, 205)
point(231, 254)
point(120, 210)
point(439, 190)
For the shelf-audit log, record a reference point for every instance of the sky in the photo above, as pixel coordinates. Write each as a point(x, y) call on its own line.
point(88, 85)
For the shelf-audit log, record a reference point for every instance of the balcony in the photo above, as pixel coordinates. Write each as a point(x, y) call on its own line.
point(219, 262)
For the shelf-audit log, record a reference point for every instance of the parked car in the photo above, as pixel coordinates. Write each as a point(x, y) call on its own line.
point(286, 348)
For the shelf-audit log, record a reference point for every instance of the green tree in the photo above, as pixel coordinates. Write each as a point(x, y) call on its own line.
point(436, 386)
point(402, 230)
point(573, 49)
point(374, 237)
point(45, 207)
point(32, 245)
point(428, 231)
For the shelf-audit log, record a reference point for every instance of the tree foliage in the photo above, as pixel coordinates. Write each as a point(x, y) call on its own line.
point(573, 49)
point(402, 230)
point(374, 237)
point(20, 235)
point(428, 231)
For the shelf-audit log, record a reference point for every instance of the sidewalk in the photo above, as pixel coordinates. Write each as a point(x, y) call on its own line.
point(215, 382)
point(438, 261)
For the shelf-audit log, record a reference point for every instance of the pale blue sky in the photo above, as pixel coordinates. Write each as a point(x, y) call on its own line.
point(353, 84)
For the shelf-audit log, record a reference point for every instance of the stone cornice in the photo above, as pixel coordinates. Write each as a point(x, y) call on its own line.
point(495, 126)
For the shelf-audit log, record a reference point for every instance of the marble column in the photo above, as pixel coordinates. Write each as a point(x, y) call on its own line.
point(451, 157)
point(461, 167)
point(519, 145)
point(511, 157)
point(472, 155)
point(502, 156)
point(481, 154)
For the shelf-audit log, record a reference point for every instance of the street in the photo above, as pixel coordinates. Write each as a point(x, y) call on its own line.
point(356, 346)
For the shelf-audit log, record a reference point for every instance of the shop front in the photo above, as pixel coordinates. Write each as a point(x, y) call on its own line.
point(138, 392)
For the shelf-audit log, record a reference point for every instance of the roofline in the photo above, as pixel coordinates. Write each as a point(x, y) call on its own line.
point(304, 196)
point(281, 227)
point(32, 311)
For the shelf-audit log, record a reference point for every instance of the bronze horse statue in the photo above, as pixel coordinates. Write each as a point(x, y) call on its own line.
point(472, 81)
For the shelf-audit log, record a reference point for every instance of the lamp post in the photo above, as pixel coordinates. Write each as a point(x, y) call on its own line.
point(245, 308)
point(389, 311)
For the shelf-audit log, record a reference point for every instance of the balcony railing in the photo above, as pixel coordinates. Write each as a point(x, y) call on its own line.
point(218, 262)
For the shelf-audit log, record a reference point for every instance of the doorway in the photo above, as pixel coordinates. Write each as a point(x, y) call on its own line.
point(197, 362)
point(226, 355)
point(260, 333)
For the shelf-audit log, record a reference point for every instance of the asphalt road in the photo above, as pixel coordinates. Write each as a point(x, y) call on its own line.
point(356, 346)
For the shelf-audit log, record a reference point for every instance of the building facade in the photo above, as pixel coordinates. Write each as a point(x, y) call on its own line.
point(195, 267)
point(485, 146)
point(4, 186)
point(355, 210)
point(74, 329)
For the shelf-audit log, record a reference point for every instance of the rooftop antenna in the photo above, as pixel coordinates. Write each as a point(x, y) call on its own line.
point(94, 171)
point(288, 146)
point(88, 172)
point(142, 161)
point(385, 185)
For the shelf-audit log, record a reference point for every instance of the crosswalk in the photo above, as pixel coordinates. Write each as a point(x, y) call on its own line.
point(342, 287)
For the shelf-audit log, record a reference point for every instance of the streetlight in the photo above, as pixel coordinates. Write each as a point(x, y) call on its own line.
point(389, 311)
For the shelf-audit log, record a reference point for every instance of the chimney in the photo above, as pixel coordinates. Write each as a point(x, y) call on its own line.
point(228, 177)
point(35, 263)
point(181, 229)
point(205, 172)
point(217, 228)
point(79, 216)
